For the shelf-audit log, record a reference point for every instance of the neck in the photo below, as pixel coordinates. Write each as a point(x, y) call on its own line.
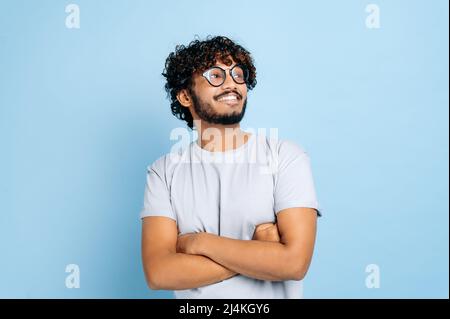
point(220, 138)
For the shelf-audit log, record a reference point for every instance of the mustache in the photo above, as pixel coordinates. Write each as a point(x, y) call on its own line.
point(228, 92)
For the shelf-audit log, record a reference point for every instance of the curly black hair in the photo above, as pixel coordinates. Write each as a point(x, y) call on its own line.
point(198, 56)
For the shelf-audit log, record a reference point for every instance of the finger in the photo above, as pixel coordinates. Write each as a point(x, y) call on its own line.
point(263, 226)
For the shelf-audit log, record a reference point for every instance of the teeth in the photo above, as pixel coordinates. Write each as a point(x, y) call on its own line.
point(230, 97)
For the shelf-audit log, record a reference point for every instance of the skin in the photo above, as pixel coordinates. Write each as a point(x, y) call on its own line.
point(229, 136)
point(280, 251)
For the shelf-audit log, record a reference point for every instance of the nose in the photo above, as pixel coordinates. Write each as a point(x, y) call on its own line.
point(229, 83)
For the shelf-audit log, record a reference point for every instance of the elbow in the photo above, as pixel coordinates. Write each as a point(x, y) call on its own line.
point(159, 275)
point(299, 273)
point(299, 268)
point(152, 277)
point(299, 262)
point(153, 285)
point(152, 282)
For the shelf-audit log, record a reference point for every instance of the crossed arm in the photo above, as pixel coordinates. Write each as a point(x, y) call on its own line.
point(280, 251)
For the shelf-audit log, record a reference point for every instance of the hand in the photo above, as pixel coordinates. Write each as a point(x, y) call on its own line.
point(267, 232)
point(188, 243)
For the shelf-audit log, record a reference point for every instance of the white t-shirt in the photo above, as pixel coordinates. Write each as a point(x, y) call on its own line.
point(228, 194)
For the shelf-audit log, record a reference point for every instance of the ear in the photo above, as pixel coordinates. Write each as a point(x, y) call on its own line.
point(184, 98)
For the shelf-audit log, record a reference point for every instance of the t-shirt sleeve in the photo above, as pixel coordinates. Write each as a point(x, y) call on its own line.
point(294, 180)
point(156, 194)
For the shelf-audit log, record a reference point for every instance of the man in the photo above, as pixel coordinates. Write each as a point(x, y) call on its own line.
point(220, 228)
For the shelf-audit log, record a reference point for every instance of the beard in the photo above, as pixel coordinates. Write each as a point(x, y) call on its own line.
point(207, 113)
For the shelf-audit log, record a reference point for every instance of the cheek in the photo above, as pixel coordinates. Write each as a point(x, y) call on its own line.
point(208, 94)
point(244, 92)
point(205, 97)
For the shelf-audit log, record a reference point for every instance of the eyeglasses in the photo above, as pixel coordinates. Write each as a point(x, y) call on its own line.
point(216, 75)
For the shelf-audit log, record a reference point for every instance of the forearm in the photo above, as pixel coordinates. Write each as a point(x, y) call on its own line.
point(257, 259)
point(177, 271)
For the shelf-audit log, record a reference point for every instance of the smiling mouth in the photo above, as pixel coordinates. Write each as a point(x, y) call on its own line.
point(231, 98)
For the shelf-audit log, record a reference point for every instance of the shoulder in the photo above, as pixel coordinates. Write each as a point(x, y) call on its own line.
point(290, 148)
point(164, 165)
point(285, 149)
point(283, 152)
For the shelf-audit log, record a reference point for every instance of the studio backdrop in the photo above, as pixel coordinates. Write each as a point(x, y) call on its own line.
point(362, 86)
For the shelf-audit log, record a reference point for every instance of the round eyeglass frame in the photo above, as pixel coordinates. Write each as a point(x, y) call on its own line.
point(206, 74)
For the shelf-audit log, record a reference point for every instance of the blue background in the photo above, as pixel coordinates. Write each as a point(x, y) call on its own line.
point(83, 112)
